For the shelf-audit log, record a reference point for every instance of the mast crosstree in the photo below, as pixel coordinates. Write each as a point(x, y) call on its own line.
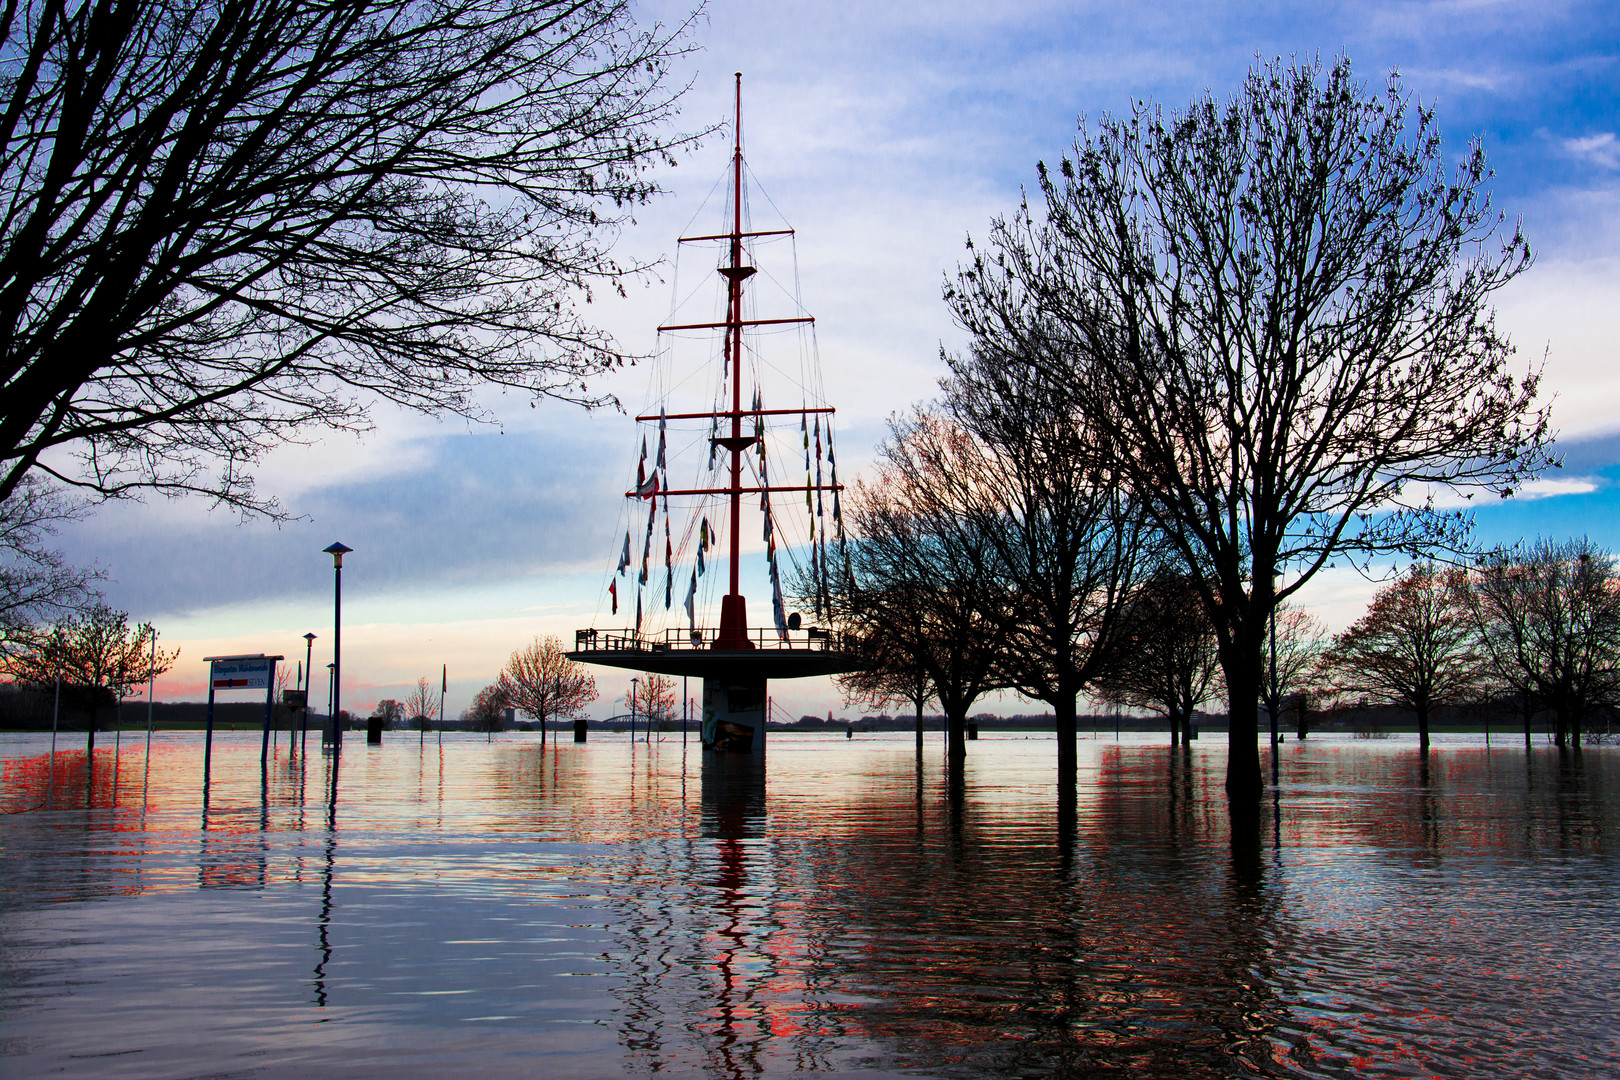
point(734, 661)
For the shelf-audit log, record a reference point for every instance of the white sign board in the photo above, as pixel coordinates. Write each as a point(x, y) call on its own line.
point(242, 673)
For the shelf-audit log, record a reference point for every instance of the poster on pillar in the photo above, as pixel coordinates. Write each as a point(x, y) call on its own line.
point(242, 672)
point(734, 715)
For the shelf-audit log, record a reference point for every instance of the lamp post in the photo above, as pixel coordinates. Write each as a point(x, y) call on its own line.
point(337, 550)
point(633, 684)
point(331, 719)
point(309, 677)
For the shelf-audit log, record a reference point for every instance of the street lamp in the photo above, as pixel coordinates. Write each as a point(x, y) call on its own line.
point(309, 677)
point(633, 683)
point(337, 551)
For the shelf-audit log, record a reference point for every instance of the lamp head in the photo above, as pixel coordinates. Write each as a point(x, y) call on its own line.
point(310, 638)
point(337, 551)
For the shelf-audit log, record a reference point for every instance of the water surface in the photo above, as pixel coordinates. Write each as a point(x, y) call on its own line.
point(603, 909)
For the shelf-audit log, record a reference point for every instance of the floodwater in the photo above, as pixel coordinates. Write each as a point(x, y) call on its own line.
point(609, 909)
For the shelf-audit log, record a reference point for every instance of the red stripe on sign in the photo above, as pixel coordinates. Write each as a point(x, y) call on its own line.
point(228, 683)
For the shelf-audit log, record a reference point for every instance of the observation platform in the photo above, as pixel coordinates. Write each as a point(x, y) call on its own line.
point(803, 654)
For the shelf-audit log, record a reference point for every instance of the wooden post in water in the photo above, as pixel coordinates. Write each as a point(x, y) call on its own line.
point(56, 711)
point(208, 738)
point(269, 710)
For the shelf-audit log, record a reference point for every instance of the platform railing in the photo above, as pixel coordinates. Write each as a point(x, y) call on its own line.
point(812, 639)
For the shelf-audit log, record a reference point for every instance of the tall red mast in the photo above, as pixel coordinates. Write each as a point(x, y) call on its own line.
point(733, 630)
point(735, 666)
point(733, 609)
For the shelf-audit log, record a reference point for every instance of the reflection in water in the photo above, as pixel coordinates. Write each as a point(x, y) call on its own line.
point(604, 909)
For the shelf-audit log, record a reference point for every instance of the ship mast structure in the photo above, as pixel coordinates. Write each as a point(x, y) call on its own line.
point(734, 663)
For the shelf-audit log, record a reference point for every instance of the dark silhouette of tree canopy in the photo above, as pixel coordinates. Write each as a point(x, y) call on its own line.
point(487, 713)
point(1548, 620)
point(225, 223)
point(1413, 648)
point(1070, 542)
point(1280, 305)
point(1168, 664)
point(924, 591)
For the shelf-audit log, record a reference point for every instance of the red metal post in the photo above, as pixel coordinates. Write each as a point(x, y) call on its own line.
point(733, 609)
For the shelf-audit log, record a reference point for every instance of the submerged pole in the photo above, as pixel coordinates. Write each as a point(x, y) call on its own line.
point(56, 711)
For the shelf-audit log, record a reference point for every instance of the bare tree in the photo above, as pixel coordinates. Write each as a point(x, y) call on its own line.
point(36, 584)
point(1168, 662)
point(923, 590)
point(1414, 648)
point(1280, 305)
point(1295, 645)
point(888, 674)
point(654, 698)
point(422, 704)
point(98, 656)
point(1548, 620)
point(542, 683)
point(487, 713)
point(1070, 541)
point(224, 223)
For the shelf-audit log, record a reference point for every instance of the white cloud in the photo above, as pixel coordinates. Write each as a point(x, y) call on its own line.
point(1566, 309)
point(1600, 149)
point(1549, 487)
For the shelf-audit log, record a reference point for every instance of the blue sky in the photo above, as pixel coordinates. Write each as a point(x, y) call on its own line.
point(885, 134)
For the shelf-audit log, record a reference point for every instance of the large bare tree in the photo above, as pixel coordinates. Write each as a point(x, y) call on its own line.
point(226, 222)
point(1280, 304)
point(1071, 542)
point(923, 590)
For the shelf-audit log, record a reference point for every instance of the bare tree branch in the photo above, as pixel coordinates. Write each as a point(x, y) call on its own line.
point(227, 224)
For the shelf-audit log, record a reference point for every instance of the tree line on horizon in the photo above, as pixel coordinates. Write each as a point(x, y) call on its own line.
point(1528, 631)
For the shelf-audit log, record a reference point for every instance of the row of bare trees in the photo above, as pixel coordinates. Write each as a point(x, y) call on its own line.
point(944, 616)
point(1256, 330)
point(1538, 626)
